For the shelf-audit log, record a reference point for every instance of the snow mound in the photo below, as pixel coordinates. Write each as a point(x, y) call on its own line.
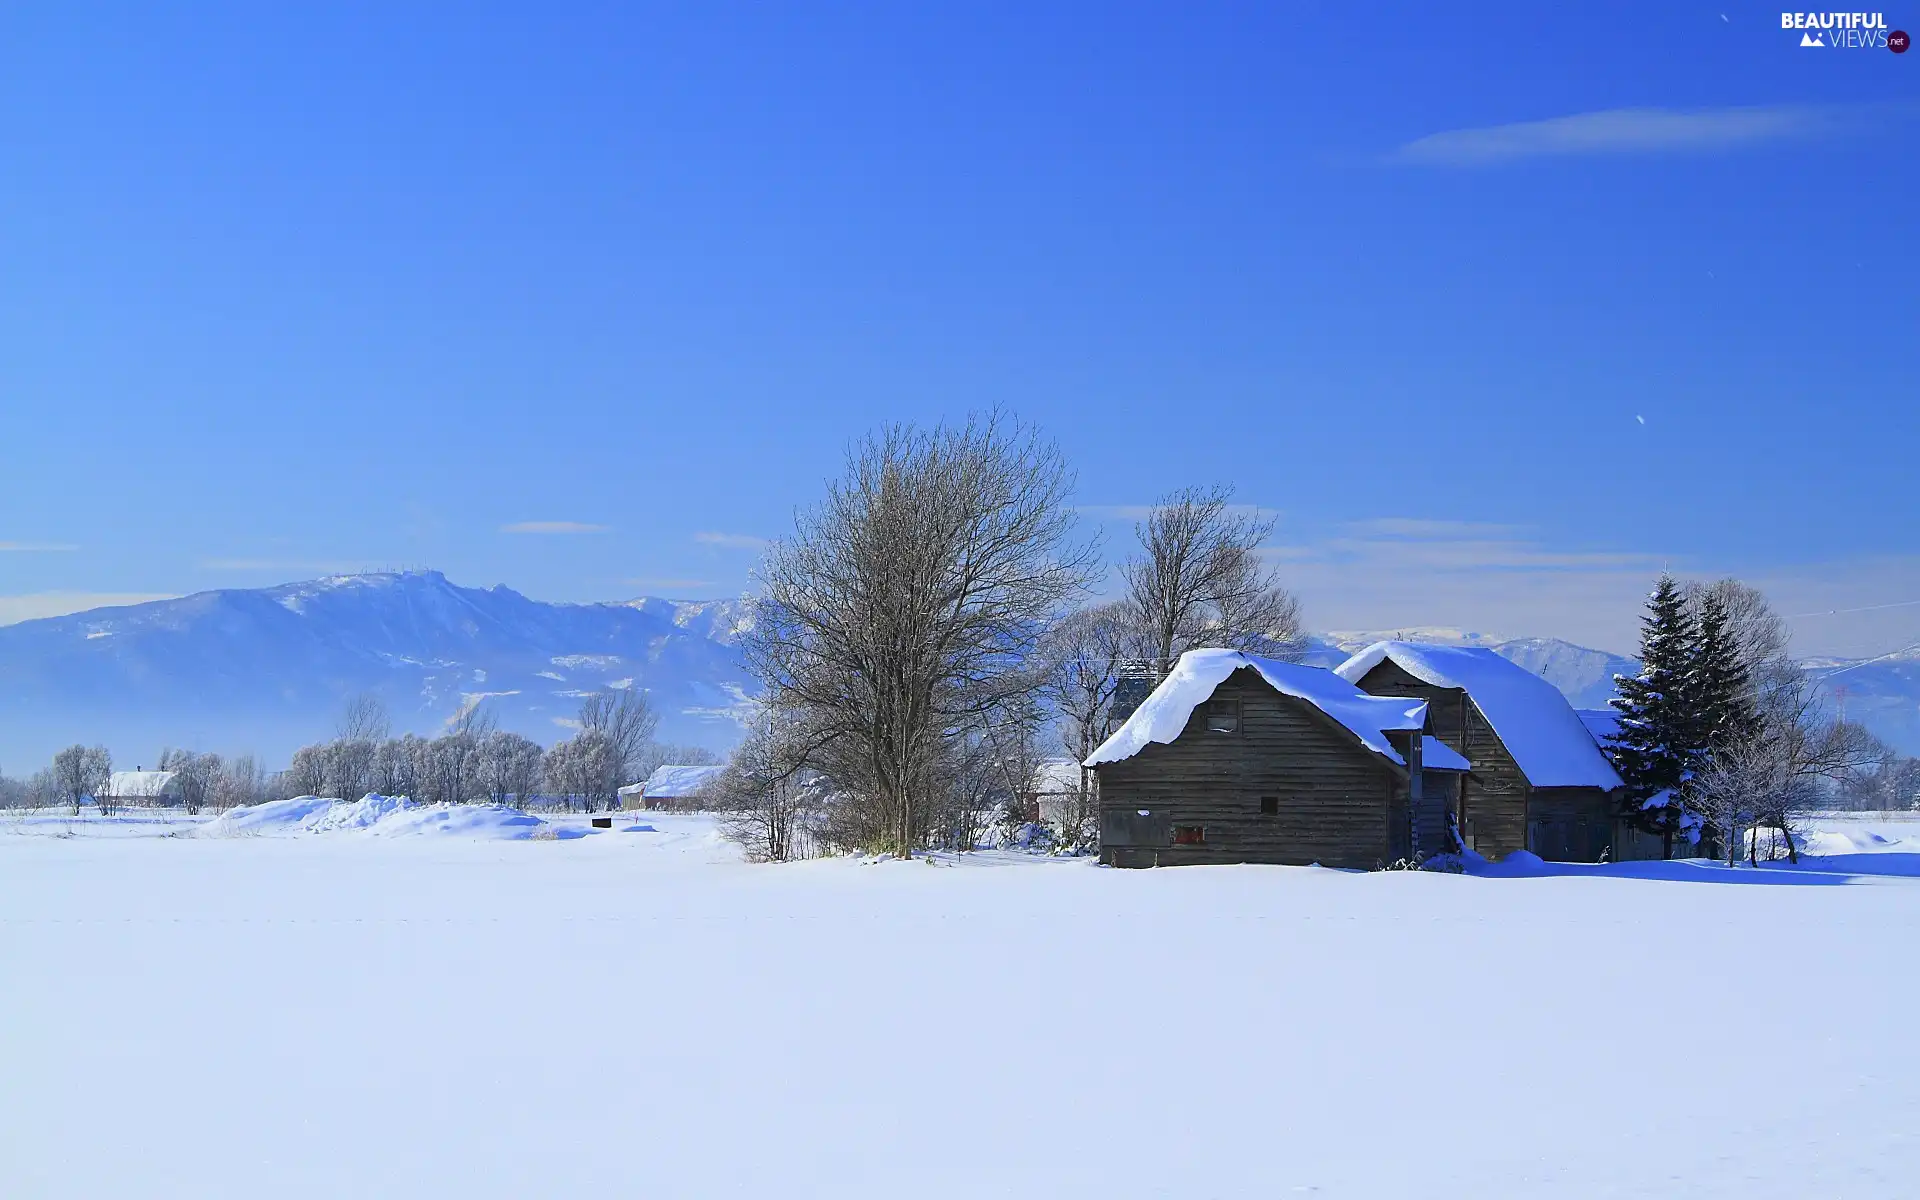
point(373, 816)
point(270, 817)
point(1163, 715)
point(1532, 718)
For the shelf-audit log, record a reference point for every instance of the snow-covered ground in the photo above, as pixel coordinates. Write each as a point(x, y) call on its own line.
point(634, 1012)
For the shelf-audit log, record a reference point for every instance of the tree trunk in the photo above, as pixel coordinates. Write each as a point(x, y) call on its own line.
point(1793, 854)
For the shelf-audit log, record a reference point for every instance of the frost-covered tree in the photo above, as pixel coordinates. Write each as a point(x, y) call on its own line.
point(509, 767)
point(1657, 746)
point(450, 765)
point(195, 776)
point(397, 764)
point(763, 797)
point(907, 605)
point(625, 721)
point(655, 755)
point(581, 768)
point(239, 782)
point(82, 772)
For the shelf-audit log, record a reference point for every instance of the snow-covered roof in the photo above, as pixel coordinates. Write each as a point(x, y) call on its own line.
point(1532, 718)
point(1436, 755)
point(1162, 716)
point(677, 783)
point(139, 784)
point(632, 789)
point(1602, 723)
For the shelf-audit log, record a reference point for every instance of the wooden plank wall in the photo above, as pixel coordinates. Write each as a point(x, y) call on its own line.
point(1493, 802)
point(1334, 794)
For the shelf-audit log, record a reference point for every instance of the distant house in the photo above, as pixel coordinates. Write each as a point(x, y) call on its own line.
point(1056, 792)
point(672, 787)
point(1234, 758)
point(1537, 781)
point(143, 787)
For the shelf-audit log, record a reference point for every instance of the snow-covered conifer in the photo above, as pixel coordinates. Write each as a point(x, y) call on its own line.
point(1657, 746)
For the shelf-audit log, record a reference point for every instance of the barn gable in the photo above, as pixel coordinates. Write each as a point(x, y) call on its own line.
point(1241, 759)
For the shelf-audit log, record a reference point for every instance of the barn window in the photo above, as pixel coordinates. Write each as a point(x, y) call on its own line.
point(1269, 806)
point(1189, 835)
point(1223, 716)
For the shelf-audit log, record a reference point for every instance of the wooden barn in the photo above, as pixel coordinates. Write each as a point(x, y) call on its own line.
point(1538, 780)
point(1235, 758)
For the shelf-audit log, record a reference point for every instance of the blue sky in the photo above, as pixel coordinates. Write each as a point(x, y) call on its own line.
point(586, 300)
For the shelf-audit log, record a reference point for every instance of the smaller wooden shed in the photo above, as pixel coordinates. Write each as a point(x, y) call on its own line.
point(1537, 779)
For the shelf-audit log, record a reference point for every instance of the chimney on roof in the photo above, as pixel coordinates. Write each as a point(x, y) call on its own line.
point(1135, 681)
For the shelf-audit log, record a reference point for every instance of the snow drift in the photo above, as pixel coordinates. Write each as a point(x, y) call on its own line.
point(373, 815)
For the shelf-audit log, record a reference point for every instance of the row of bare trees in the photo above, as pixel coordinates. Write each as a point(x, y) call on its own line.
point(81, 774)
point(921, 641)
point(475, 760)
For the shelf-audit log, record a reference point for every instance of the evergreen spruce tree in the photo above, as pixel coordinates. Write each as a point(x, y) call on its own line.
point(1723, 707)
point(1721, 703)
point(1658, 742)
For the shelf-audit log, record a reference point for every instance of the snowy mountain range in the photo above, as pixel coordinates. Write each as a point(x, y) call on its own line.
point(267, 670)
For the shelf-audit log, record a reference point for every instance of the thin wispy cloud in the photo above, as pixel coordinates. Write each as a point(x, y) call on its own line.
point(1615, 131)
point(32, 606)
point(1422, 527)
point(731, 541)
point(37, 547)
point(1484, 555)
point(561, 527)
point(1140, 512)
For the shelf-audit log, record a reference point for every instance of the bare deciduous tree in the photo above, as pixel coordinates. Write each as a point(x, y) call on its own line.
point(239, 782)
point(664, 754)
point(1778, 774)
point(1199, 580)
point(626, 721)
point(364, 719)
point(583, 767)
point(349, 767)
point(82, 772)
point(1083, 656)
point(396, 766)
point(906, 605)
point(1759, 633)
point(763, 796)
point(448, 767)
point(1888, 781)
point(509, 767)
point(195, 776)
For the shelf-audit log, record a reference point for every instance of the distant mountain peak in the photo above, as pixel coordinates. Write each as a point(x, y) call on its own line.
point(267, 669)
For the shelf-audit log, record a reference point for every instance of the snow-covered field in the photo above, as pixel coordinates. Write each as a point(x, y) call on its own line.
point(502, 1012)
